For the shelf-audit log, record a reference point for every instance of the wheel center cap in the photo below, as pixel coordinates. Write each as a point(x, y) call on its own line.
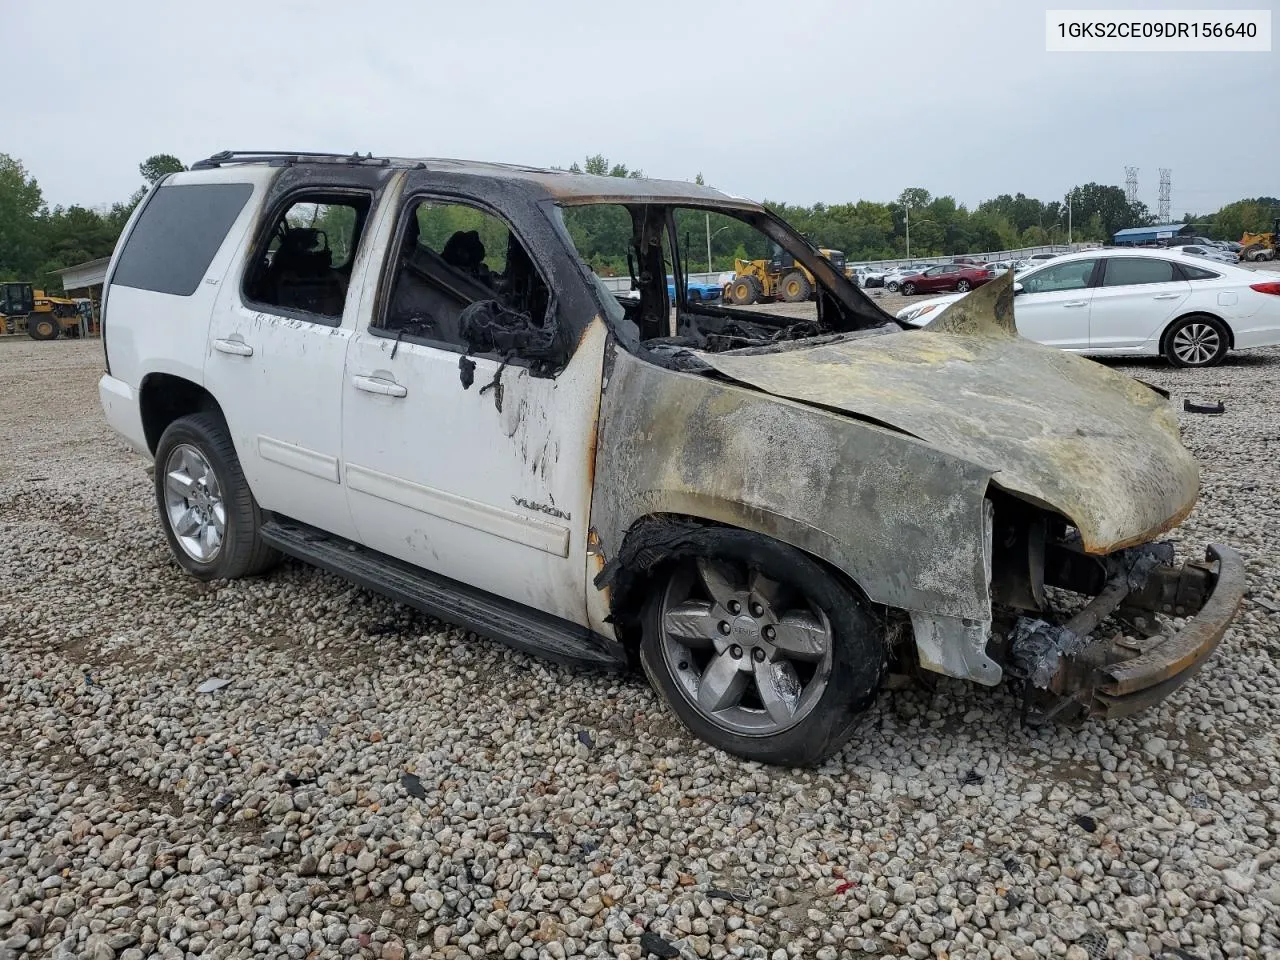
point(745, 630)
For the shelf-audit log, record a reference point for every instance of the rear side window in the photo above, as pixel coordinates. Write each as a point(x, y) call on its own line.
point(1125, 271)
point(1195, 273)
point(177, 235)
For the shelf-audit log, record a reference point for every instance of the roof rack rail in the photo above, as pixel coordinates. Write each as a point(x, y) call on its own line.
point(284, 157)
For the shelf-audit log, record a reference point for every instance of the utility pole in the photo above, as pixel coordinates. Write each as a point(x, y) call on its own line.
point(1069, 192)
point(906, 207)
point(708, 243)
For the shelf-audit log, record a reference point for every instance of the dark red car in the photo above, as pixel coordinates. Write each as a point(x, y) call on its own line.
point(947, 276)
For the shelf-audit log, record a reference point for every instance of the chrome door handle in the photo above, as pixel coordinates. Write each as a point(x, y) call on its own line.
point(383, 388)
point(1076, 303)
point(237, 348)
point(1166, 296)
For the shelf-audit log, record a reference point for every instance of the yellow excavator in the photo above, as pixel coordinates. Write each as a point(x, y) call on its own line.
point(1261, 246)
point(781, 278)
point(39, 315)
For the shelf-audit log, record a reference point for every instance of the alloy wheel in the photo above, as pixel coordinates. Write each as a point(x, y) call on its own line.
point(751, 654)
point(193, 503)
point(1197, 344)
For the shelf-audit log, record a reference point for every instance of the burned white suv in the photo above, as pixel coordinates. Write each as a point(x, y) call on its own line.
point(407, 372)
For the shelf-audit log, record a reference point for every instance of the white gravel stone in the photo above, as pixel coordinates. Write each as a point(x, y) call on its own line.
point(269, 818)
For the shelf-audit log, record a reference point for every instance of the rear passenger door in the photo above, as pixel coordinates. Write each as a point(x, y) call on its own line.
point(278, 341)
point(1137, 299)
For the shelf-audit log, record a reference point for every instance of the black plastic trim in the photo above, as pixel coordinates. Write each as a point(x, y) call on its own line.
point(528, 630)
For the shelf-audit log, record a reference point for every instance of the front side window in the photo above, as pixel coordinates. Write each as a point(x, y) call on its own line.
point(463, 281)
point(303, 265)
point(1062, 276)
point(1128, 271)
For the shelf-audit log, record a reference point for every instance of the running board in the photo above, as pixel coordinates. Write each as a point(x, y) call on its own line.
point(525, 629)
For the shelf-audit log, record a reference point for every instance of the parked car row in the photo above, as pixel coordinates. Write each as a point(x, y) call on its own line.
point(1122, 301)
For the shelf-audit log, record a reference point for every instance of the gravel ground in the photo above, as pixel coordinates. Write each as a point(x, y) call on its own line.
point(374, 783)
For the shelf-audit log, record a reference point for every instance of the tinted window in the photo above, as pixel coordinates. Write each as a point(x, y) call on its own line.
point(1061, 276)
point(178, 234)
point(1195, 273)
point(1125, 271)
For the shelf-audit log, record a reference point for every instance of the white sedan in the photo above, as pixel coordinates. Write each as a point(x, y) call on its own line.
point(1139, 303)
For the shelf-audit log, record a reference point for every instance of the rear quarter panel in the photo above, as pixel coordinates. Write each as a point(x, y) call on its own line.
point(149, 332)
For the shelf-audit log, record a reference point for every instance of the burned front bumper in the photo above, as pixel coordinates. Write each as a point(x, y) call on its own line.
point(1071, 668)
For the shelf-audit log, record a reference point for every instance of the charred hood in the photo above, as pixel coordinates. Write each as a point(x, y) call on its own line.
point(1056, 429)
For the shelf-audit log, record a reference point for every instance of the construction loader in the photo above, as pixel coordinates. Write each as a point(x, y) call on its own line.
point(1261, 246)
point(39, 315)
point(781, 278)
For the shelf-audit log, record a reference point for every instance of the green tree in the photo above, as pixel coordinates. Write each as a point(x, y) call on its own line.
point(159, 165)
point(21, 204)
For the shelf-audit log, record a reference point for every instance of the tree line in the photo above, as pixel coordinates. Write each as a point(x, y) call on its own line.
point(36, 240)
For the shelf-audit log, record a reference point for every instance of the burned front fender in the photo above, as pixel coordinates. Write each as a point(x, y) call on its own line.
point(1055, 429)
point(905, 521)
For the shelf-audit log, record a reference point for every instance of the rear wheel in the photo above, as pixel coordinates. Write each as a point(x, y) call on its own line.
point(796, 287)
point(43, 327)
point(892, 286)
point(963, 286)
point(1196, 341)
point(760, 651)
point(908, 288)
point(208, 512)
point(1253, 252)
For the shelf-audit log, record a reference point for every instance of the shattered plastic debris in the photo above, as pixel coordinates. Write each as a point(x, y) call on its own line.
point(1213, 409)
point(212, 685)
point(413, 785)
point(1086, 823)
point(584, 738)
point(658, 946)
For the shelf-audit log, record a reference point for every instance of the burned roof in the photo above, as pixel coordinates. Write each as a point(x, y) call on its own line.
point(561, 185)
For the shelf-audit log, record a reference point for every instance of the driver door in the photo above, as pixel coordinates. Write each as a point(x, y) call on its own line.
point(472, 465)
point(1053, 304)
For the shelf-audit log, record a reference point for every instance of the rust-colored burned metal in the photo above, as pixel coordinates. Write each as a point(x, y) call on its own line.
point(1053, 428)
point(902, 519)
point(1120, 676)
point(1182, 653)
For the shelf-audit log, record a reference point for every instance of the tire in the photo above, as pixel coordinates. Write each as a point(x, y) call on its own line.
point(796, 287)
point(1253, 252)
point(892, 286)
point(823, 693)
point(43, 327)
point(744, 291)
point(694, 296)
point(240, 551)
point(908, 288)
point(1197, 340)
point(963, 286)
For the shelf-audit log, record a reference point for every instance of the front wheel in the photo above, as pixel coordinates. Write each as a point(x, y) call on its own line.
point(908, 288)
point(760, 651)
point(43, 327)
point(892, 286)
point(208, 512)
point(963, 286)
point(1196, 341)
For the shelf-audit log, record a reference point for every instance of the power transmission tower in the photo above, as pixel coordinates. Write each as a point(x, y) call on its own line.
point(1131, 185)
point(1166, 182)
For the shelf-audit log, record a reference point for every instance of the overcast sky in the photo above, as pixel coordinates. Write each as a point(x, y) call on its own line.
point(820, 100)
